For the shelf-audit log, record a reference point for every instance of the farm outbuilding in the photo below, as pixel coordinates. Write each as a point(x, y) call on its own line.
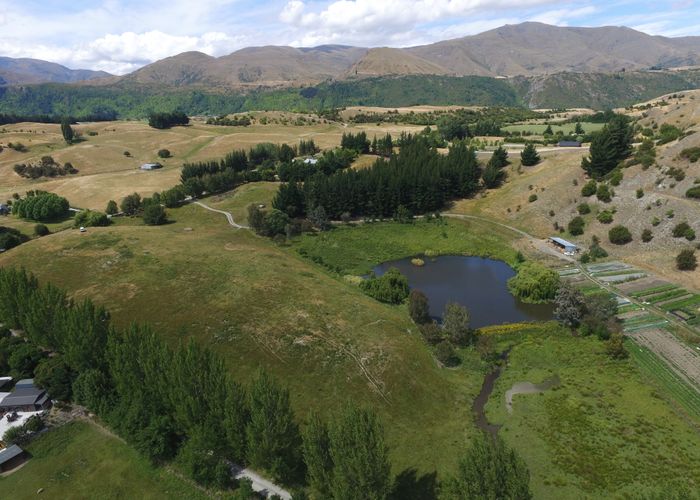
point(26, 398)
point(566, 246)
point(569, 144)
point(11, 457)
point(151, 166)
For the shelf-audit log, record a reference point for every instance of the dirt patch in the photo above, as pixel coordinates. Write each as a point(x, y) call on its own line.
point(641, 284)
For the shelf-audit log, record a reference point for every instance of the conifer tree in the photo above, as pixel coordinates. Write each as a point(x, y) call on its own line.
point(529, 156)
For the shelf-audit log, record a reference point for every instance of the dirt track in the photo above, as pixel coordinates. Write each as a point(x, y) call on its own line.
point(681, 358)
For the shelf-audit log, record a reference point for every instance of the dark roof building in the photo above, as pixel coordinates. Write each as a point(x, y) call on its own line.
point(569, 144)
point(25, 383)
point(26, 399)
point(11, 457)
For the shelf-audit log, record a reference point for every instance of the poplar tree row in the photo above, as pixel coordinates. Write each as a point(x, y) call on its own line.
point(180, 404)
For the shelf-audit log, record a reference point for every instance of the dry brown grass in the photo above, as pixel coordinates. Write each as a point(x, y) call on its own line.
point(105, 173)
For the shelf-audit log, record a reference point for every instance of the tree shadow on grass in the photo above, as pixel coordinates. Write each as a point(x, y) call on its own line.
point(410, 486)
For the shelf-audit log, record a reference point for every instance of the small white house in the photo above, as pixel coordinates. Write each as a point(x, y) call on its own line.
point(151, 166)
point(310, 161)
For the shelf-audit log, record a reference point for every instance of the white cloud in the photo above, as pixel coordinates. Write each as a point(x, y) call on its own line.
point(128, 51)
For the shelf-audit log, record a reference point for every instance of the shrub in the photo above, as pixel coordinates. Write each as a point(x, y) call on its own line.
point(681, 229)
point(41, 230)
point(605, 217)
point(154, 215)
point(691, 154)
point(616, 178)
point(431, 333)
point(584, 208)
point(686, 260)
point(164, 153)
point(647, 235)
point(446, 354)
point(418, 307)
point(693, 192)
point(619, 235)
point(640, 193)
point(590, 188)
point(534, 283)
point(91, 218)
point(655, 221)
point(532, 198)
point(604, 193)
point(576, 226)
point(392, 287)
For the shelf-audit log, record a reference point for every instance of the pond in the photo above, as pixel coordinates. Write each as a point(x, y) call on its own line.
point(479, 284)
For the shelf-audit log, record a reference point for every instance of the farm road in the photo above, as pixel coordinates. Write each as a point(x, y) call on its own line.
point(228, 215)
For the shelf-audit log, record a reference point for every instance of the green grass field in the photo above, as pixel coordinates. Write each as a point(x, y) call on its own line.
point(604, 432)
point(567, 128)
point(80, 461)
point(258, 304)
point(356, 250)
point(669, 383)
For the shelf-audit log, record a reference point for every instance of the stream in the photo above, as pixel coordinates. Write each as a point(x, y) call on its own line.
point(489, 383)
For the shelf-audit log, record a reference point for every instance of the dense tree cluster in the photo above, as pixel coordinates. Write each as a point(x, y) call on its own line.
point(168, 403)
point(609, 147)
point(10, 237)
point(41, 206)
point(384, 146)
point(235, 121)
point(165, 120)
point(418, 177)
point(47, 167)
point(357, 142)
point(90, 218)
point(391, 287)
point(489, 469)
point(493, 174)
point(534, 283)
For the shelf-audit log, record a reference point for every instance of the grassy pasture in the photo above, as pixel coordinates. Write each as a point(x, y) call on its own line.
point(78, 460)
point(539, 128)
point(356, 250)
point(106, 173)
point(604, 431)
point(262, 305)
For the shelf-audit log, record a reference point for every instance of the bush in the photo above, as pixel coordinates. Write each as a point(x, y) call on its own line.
point(604, 193)
point(693, 192)
point(619, 235)
point(431, 333)
point(686, 260)
point(446, 354)
point(576, 226)
point(131, 204)
point(112, 207)
point(590, 188)
point(616, 178)
point(41, 230)
point(647, 235)
point(392, 287)
point(532, 198)
point(534, 283)
point(91, 218)
point(164, 153)
point(418, 307)
point(584, 208)
point(605, 217)
point(10, 238)
point(154, 215)
point(640, 193)
point(683, 230)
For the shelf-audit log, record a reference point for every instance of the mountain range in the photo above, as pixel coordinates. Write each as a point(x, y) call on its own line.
point(27, 71)
point(527, 49)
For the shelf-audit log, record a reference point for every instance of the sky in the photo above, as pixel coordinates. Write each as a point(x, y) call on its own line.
point(119, 36)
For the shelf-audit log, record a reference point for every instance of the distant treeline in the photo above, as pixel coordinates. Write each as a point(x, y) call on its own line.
point(105, 116)
point(563, 90)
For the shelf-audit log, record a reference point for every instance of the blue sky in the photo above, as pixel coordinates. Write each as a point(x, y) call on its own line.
point(122, 35)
